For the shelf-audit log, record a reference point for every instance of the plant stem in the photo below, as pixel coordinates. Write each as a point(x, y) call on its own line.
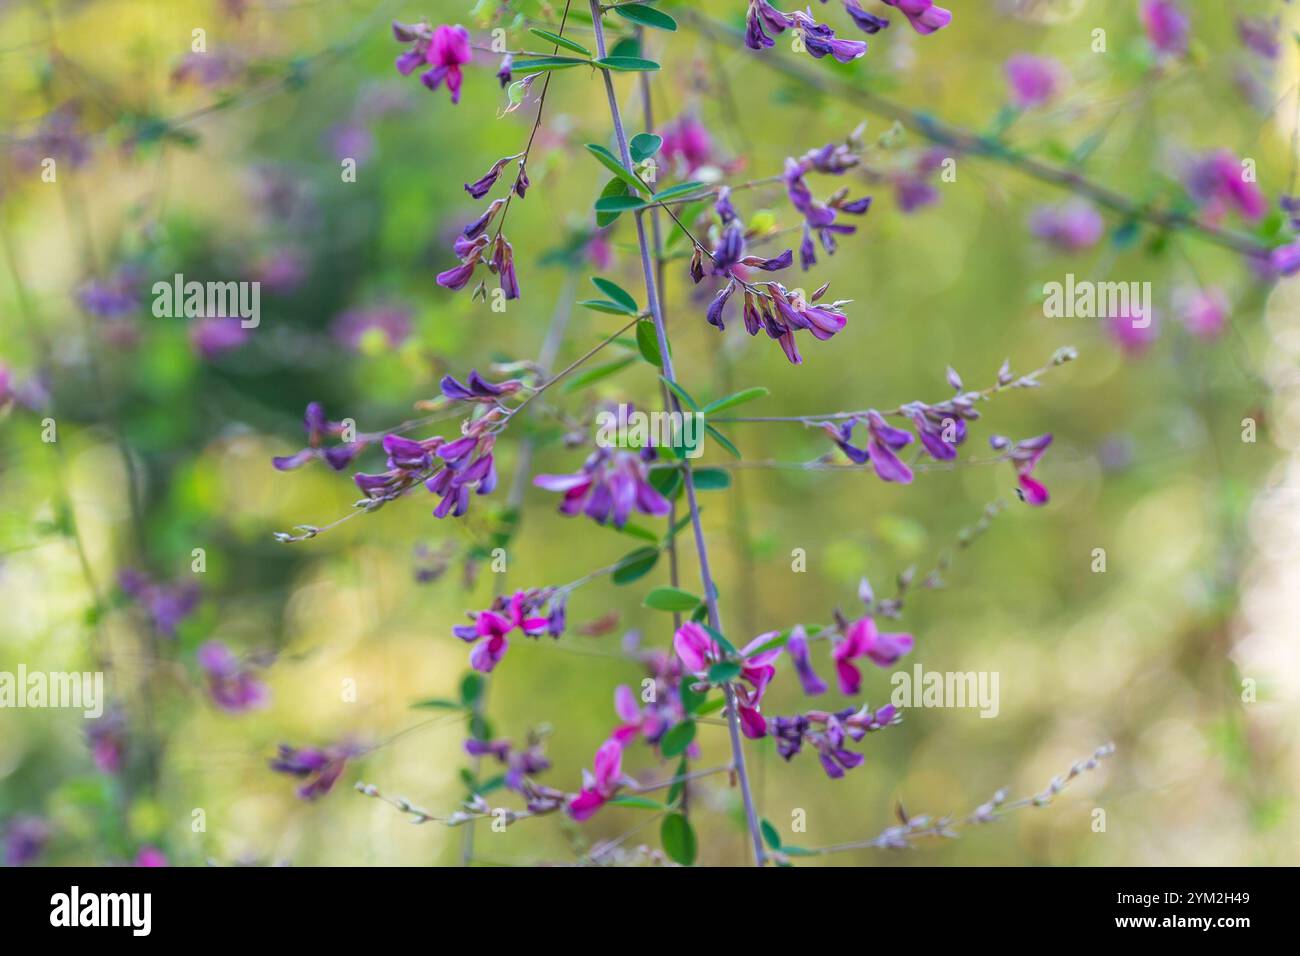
point(688, 480)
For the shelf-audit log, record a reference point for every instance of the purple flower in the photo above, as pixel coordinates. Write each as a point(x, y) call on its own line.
point(697, 650)
point(443, 48)
point(1034, 80)
point(1133, 333)
point(318, 427)
point(319, 767)
point(522, 762)
point(611, 484)
point(1217, 180)
point(1259, 36)
point(764, 20)
point(483, 185)
point(25, 840)
point(862, 639)
point(232, 686)
point(167, 605)
point(923, 15)
point(364, 329)
point(1071, 227)
point(939, 429)
point(829, 732)
point(798, 647)
point(107, 739)
point(478, 389)
point(867, 22)
point(1203, 311)
point(686, 144)
point(213, 336)
point(505, 72)
point(1285, 260)
point(1166, 26)
point(884, 441)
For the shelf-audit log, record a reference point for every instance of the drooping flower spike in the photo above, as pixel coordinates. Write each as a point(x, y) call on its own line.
point(444, 49)
point(829, 732)
point(763, 21)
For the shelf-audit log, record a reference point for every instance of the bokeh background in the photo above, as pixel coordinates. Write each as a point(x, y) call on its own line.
point(227, 166)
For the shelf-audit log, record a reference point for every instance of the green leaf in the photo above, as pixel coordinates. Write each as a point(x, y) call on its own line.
point(692, 700)
point(561, 41)
point(627, 46)
point(678, 839)
point(681, 189)
point(646, 16)
point(645, 145)
point(671, 599)
point(770, 836)
point(585, 378)
point(437, 703)
point(624, 203)
point(641, 803)
point(681, 393)
point(726, 645)
point(616, 292)
point(626, 64)
point(678, 739)
point(471, 688)
point(544, 64)
point(711, 479)
point(611, 162)
point(723, 440)
point(635, 565)
point(647, 341)
point(738, 398)
point(615, 187)
point(797, 851)
point(666, 481)
point(711, 706)
point(723, 671)
point(606, 306)
point(636, 531)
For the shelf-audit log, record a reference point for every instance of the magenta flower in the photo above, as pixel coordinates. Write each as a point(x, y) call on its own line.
point(924, 16)
point(1071, 227)
point(697, 650)
point(1218, 181)
point(686, 144)
point(521, 611)
point(232, 686)
point(862, 639)
point(1203, 311)
point(1034, 80)
point(149, 857)
point(319, 767)
point(1024, 455)
point(444, 49)
point(1167, 27)
point(611, 484)
point(1134, 334)
point(600, 786)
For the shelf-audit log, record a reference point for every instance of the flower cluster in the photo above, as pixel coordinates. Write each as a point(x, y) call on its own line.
point(474, 247)
point(651, 718)
point(612, 483)
point(232, 685)
point(698, 650)
point(520, 762)
point(764, 21)
point(444, 49)
point(452, 470)
point(829, 732)
point(167, 605)
point(320, 768)
point(522, 611)
point(820, 219)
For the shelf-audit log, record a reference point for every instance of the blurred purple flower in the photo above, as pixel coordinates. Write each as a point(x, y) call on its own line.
point(320, 768)
point(25, 840)
point(385, 325)
point(167, 605)
point(213, 336)
point(318, 428)
point(1034, 80)
point(1167, 27)
point(233, 686)
point(1071, 226)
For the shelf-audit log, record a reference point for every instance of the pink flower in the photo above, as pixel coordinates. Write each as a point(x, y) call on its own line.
point(1166, 26)
point(490, 627)
point(1071, 227)
point(1203, 311)
point(1024, 455)
point(686, 143)
point(444, 48)
point(862, 639)
point(150, 856)
point(1218, 181)
point(924, 16)
point(599, 787)
point(698, 650)
point(1034, 80)
point(1134, 334)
